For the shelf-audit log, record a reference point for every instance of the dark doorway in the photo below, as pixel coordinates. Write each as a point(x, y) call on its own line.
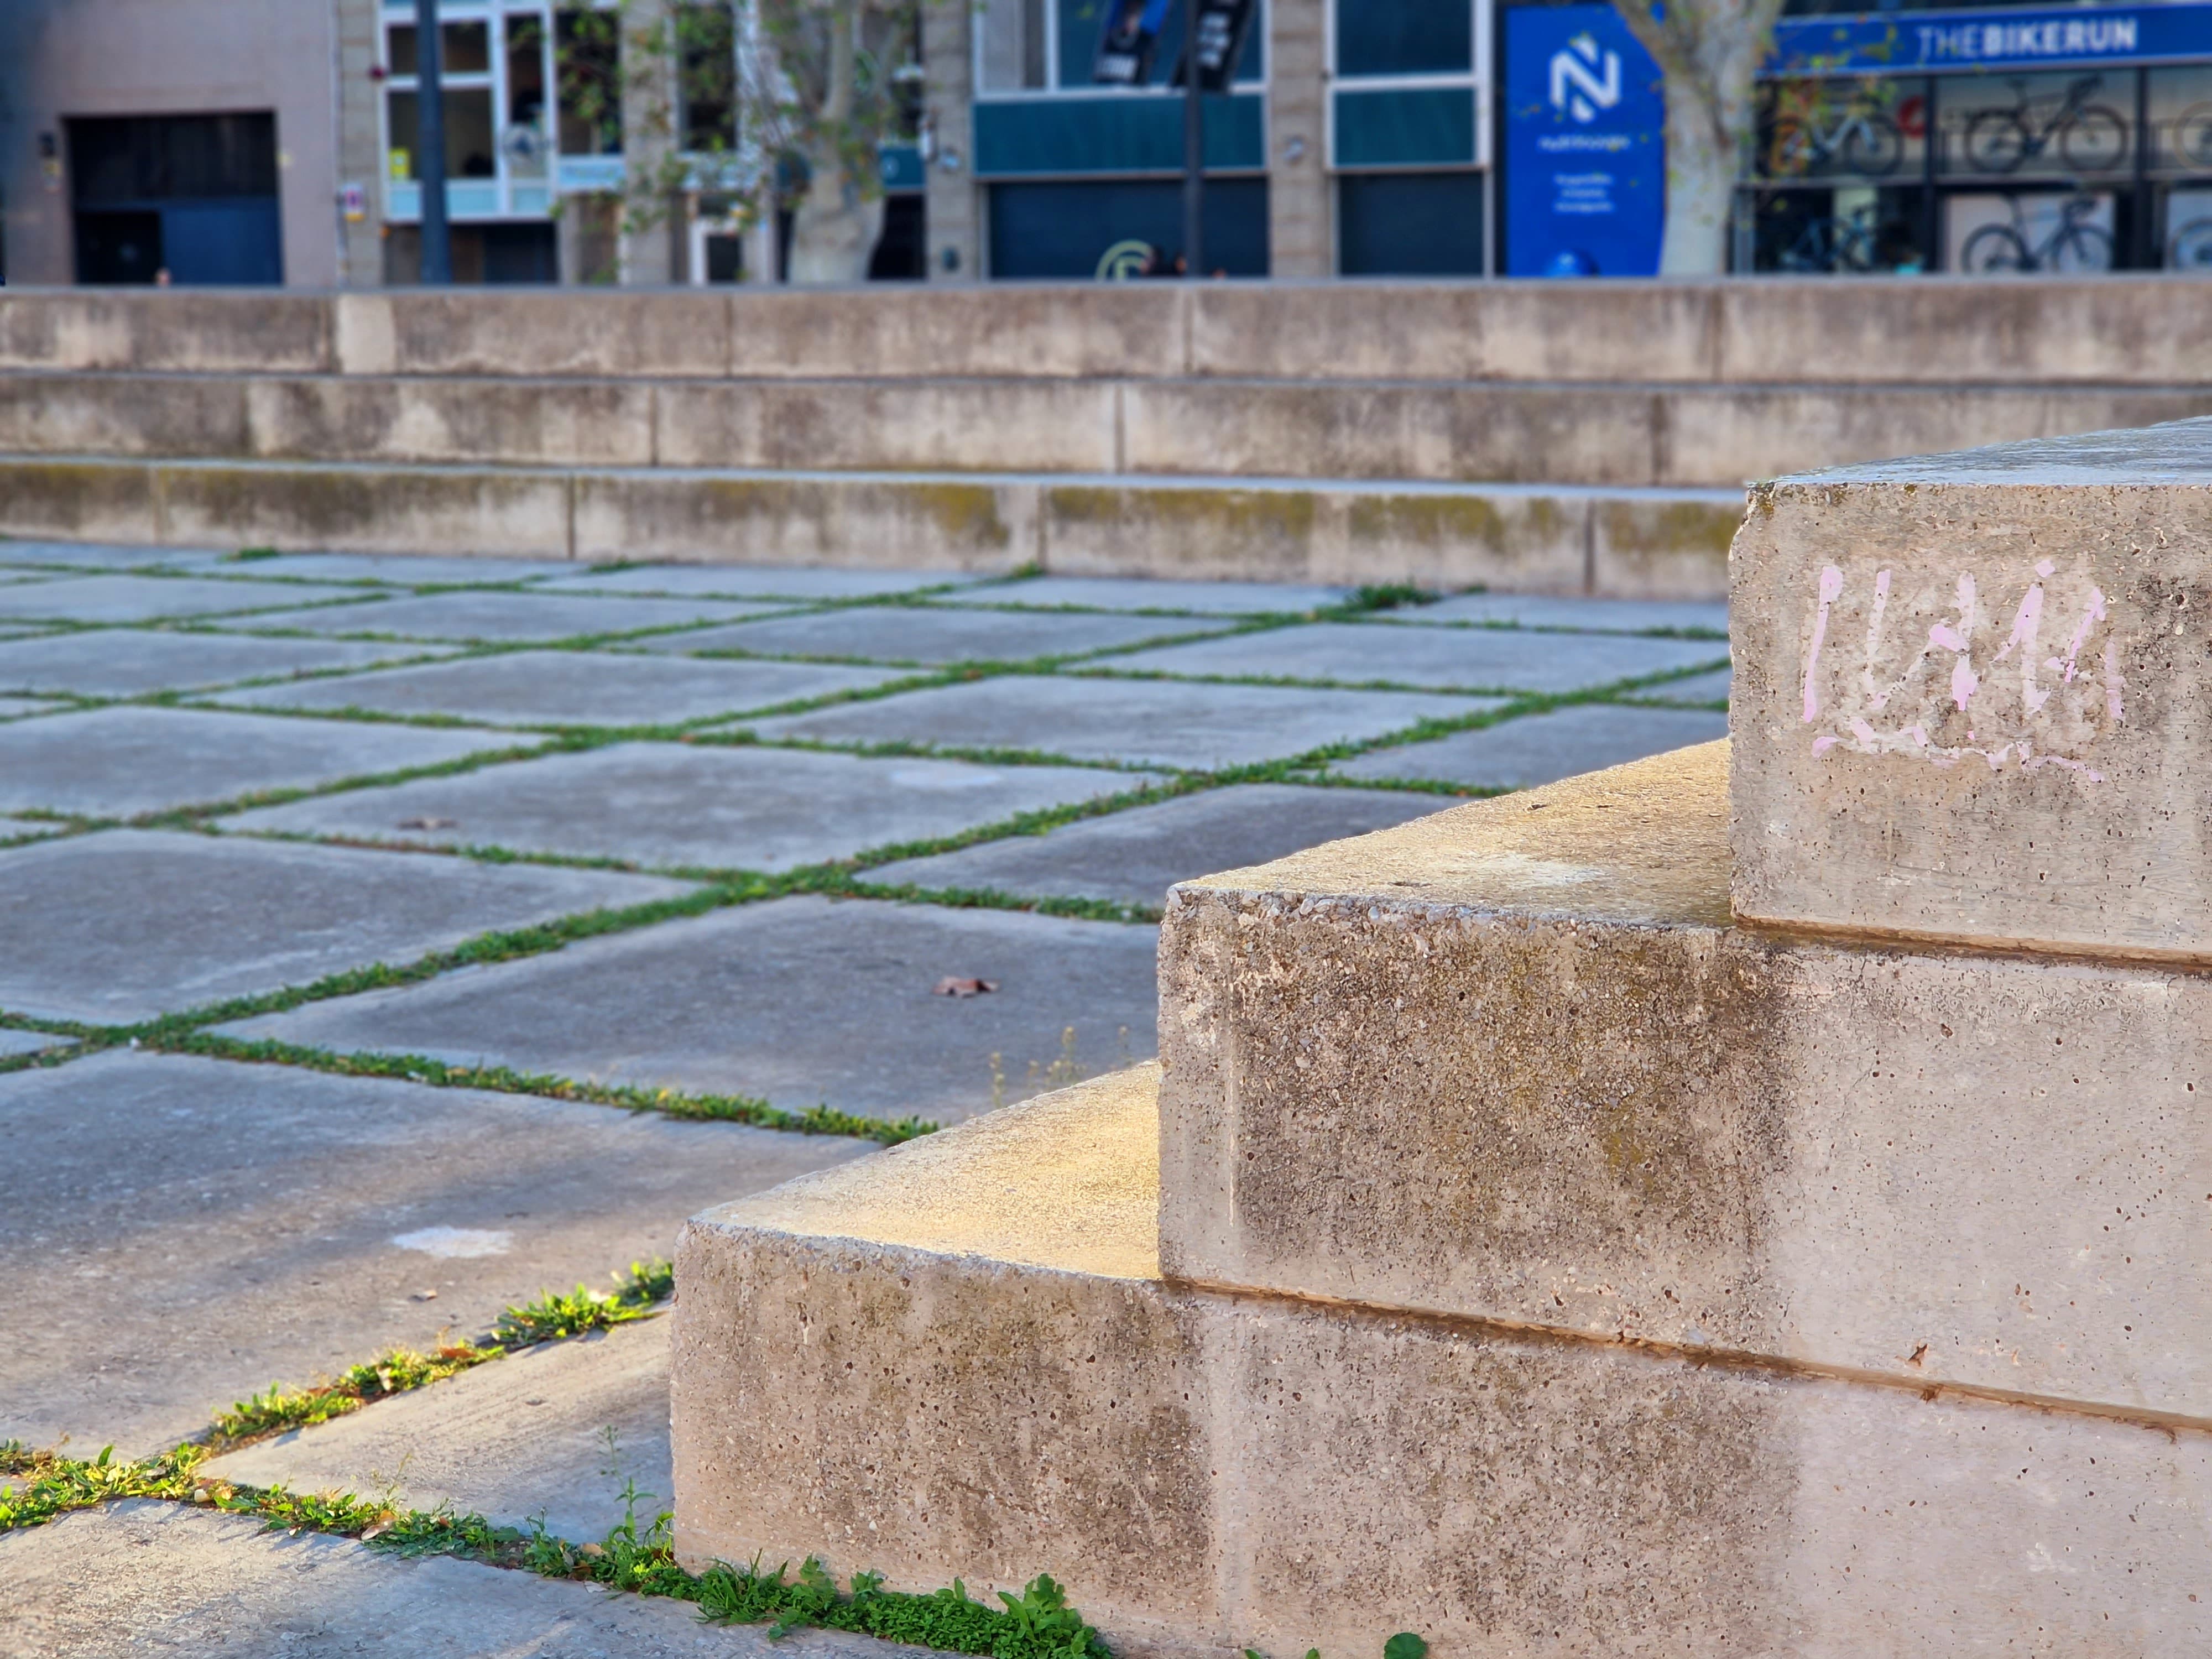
point(902, 250)
point(1044, 230)
point(193, 195)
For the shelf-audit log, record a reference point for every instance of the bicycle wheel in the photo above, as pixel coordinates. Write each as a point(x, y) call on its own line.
point(2190, 248)
point(1997, 142)
point(2193, 135)
point(1792, 153)
point(1874, 146)
point(2095, 140)
point(1993, 248)
point(1854, 252)
point(2079, 249)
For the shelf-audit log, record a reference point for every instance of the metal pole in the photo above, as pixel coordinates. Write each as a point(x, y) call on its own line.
point(1194, 148)
point(430, 143)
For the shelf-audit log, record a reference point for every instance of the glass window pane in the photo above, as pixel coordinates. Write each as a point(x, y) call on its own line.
point(525, 71)
point(706, 76)
point(468, 49)
point(400, 52)
point(469, 151)
point(1013, 32)
point(1404, 37)
point(588, 79)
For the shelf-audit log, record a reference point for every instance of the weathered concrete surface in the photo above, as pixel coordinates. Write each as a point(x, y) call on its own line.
point(127, 924)
point(14, 1043)
point(215, 1227)
point(131, 662)
point(1583, 615)
point(906, 634)
point(1539, 748)
point(15, 707)
point(116, 763)
point(128, 1579)
point(1134, 857)
point(1694, 688)
point(1494, 659)
point(557, 687)
point(799, 1000)
point(401, 570)
point(1588, 1102)
point(1136, 722)
point(677, 806)
point(1208, 1469)
point(499, 616)
point(523, 1439)
point(101, 556)
point(118, 598)
point(745, 581)
point(1135, 593)
point(1972, 690)
point(26, 829)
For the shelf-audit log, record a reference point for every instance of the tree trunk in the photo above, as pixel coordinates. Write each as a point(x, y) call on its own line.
point(1700, 186)
point(834, 227)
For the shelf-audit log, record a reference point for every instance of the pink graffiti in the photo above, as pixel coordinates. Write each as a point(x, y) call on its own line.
point(1832, 586)
point(1876, 695)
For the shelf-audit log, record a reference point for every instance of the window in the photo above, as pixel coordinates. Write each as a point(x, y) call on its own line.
point(706, 77)
point(1404, 37)
point(590, 85)
point(1052, 45)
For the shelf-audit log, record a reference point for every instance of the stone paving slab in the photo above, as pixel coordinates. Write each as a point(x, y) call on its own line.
point(1591, 615)
point(522, 1437)
point(98, 555)
point(758, 581)
point(1136, 593)
point(495, 616)
point(136, 1579)
point(131, 662)
point(211, 1227)
point(26, 829)
point(116, 763)
point(681, 805)
point(1444, 659)
point(15, 707)
point(799, 1000)
point(1519, 754)
point(911, 634)
point(123, 925)
point(566, 687)
point(1134, 857)
point(1716, 687)
point(1133, 722)
point(401, 569)
point(150, 598)
point(14, 1043)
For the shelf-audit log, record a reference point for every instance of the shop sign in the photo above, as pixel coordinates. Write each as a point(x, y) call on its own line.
point(1937, 42)
point(1585, 145)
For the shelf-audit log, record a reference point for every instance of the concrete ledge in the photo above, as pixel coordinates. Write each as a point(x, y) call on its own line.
point(1974, 693)
point(951, 1359)
point(1627, 544)
point(1588, 1101)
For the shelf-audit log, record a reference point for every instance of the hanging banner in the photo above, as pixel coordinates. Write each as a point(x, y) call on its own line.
point(1221, 27)
point(1128, 39)
point(1585, 145)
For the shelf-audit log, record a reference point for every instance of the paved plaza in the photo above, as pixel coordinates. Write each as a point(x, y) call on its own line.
point(390, 941)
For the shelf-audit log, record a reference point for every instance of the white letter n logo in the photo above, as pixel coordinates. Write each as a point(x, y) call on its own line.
point(1576, 90)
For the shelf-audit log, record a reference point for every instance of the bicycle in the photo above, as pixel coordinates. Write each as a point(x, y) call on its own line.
point(2189, 248)
point(1831, 245)
point(2073, 245)
point(1867, 141)
point(2193, 135)
point(2090, 137)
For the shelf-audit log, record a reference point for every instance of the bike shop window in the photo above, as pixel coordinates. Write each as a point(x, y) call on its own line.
point(1839, 184)
point(2179, 164)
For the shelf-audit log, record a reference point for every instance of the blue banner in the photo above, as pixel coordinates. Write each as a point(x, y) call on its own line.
point(1937, 42)
point(1585, 145)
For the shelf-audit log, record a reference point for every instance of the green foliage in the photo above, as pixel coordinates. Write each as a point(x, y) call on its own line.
point(277, 1408)
point(248, 553)
point(1388, 596)
point(57, 1484)
point(1405, 1645)
point(1038, 1625)
point(553, 1315)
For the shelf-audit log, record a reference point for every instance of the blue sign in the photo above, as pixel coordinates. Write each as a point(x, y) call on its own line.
point(1585, 145)
point(1936, 42)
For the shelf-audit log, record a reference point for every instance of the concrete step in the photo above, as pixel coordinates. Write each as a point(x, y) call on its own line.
point(2133, 330)
point(960, 1358)
point(1619, 542)
point(1602, 434)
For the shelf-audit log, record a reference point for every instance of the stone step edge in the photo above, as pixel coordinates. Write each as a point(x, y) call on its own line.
point(1629, 542)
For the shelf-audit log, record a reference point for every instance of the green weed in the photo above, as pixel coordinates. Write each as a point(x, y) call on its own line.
point(57, 1484)
point(553, 1316)
point(278, 1409)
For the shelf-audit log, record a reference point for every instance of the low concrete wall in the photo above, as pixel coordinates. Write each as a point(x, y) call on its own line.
point(2149, 330)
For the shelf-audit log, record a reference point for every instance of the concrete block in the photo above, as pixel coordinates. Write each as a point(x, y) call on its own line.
point(1011, 425)
point(1491, 659)
point(147, 415)
point(101, 1584)
point(130, 662)
point(1134, 857)
point(495, 616)
point(557, 687)
point(1539, 748)
point(324, 1219)
point(1573, 616)
point(678, 806)
point(553, 331)
point(70, 329)
point(1600, 1108)
point(1129, 722)
point(1650, 546)
point(367, 509)
point(119, 927)
point(799, 1000)
point(132, 598)
point(1971, 695)
point(1208, 1468)
point(523, 1440)
point(1144, 595)
point(533, 423)
point(1058, 330)
point(879, 521)
point(118, 762)
point(48, 496)
point(910, 634)
point(740, 582)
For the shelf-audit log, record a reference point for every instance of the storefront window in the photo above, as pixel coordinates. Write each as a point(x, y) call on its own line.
point(1404, 37)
